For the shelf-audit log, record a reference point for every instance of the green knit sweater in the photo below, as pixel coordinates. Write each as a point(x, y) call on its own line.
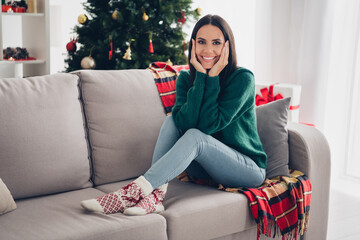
point(226, 113)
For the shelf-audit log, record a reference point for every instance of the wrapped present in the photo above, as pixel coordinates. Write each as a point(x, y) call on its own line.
point(271, 92)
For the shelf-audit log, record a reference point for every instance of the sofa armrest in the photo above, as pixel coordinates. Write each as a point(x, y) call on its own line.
point(309, 152)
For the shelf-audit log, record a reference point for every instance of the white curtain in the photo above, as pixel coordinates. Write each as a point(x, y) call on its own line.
point(316, 44)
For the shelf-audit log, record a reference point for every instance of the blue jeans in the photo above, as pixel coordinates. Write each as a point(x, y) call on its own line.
point(202, 156)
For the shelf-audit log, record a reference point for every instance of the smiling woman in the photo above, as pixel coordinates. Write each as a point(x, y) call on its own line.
point(212, 132)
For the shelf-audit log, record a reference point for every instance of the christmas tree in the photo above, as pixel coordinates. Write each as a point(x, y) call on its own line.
point(129, 34)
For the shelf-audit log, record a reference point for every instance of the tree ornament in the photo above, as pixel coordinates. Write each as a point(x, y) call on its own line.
point(88, 62)
point(127, 55)
point(71, 46)
point(82, 19)
point(111, 48)
point(115, 15)
point(182, 19)
point(168, 62)
point(199, 11)
point(145, 17)
point(151, 47)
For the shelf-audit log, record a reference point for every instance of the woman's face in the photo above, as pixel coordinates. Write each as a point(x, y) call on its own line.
point(209, 43)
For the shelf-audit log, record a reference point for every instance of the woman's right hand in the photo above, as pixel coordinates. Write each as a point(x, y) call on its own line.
point(193, 60)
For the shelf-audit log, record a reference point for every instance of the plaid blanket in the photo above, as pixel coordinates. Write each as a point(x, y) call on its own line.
point(280, 206)
point(165, 79)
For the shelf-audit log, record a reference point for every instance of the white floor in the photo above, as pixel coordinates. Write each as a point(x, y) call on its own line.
point(344, 215)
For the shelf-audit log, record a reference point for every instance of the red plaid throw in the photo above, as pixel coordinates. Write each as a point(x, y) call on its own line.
point(280, 206)
point(165, 79)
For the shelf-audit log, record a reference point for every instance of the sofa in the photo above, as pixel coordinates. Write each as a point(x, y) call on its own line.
point(69, 137)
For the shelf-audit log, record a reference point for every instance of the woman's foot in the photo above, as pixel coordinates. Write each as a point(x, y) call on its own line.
point(150, 204)
point(121, 199)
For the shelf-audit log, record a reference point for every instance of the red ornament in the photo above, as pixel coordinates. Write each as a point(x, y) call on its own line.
point(111, 49)
point(151, 48)
point(182, 20)
point(71, 46)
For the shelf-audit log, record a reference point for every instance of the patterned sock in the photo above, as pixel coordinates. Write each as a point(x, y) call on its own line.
point(150, 204)
point(121, 199)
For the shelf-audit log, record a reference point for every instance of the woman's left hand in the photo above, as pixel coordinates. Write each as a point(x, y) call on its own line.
point(223, 61)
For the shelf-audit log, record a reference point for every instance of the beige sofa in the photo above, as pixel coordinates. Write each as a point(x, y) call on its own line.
point(69, 137)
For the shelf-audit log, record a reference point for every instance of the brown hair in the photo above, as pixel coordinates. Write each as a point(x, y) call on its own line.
point(219, 22)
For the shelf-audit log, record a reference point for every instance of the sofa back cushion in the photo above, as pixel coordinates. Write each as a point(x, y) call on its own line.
point(124, 115)
point(43, 147)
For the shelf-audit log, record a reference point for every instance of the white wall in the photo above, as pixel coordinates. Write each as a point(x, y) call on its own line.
point(240, 14)
point(63, 18)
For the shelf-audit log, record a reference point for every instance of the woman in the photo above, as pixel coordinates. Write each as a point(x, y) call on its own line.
point(211, 133)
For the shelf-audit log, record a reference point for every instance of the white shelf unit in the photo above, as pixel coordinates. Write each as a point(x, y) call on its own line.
point(32, 29)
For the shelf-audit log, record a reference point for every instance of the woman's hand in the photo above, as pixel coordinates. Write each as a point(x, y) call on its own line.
point(223, 61)
point(193, 60)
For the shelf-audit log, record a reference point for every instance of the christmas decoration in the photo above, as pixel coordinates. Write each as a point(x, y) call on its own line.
point(123, 20)
point(88, 63)
point(151, 48)
point(127, 55)
point(71, 46)
point(182, 19)
point(111, 48)
point(145, 17)
point(199, 11)
point(266, 93)
point(14, 6)
point(14, 54)
point(115, 15)
point(168, 62)
point(82, 19)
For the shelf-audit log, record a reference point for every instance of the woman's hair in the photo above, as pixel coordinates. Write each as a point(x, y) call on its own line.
point(219, 22)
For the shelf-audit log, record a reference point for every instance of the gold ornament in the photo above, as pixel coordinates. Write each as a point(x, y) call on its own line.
point(115, 15)
point(199, 11)
point(88, 63)
point(127, 55)
point(145, 17)
point(82, 19)
point(168, 62)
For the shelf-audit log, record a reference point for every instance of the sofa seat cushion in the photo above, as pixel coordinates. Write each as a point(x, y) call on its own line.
point(60, 216)
point(200, 212)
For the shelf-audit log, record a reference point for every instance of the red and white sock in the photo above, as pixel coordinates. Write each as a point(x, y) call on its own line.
point(121, 199)
point(150, 204)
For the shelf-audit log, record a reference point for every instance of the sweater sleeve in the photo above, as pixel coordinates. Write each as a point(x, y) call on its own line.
point(188, 100)
point(219, 110)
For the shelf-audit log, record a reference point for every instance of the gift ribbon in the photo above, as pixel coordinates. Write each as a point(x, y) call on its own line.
point(267, 95)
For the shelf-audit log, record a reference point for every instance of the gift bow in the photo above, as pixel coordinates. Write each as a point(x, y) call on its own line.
point(267, 96)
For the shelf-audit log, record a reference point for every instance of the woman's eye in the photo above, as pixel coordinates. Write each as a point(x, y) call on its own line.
point(201, 42)
point(217, 43)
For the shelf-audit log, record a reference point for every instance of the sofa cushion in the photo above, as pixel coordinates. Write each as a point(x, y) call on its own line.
point(200, 212)
point(271, 124)
point(60, 216)
point(43, 147)
point(124, 115)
